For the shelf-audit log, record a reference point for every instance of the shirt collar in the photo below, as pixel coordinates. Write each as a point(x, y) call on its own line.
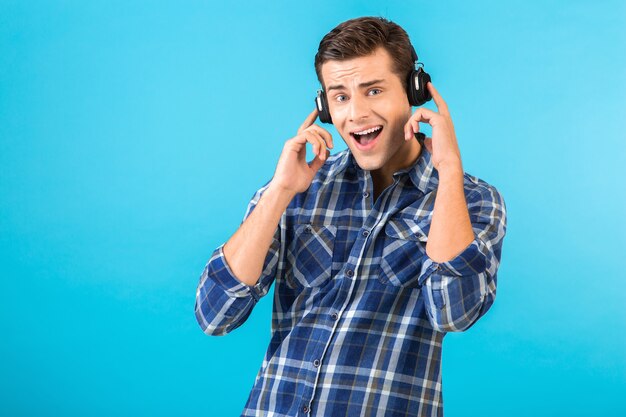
point(422, 172)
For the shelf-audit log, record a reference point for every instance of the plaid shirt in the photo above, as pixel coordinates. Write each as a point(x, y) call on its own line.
point(360, 310)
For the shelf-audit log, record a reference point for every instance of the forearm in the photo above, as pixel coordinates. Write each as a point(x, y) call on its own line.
point(246, 250)
point(450, 230)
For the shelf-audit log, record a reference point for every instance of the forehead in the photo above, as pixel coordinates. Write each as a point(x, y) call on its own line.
point(377, 65)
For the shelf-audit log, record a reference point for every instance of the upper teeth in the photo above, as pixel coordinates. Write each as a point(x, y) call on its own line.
point(370, 130)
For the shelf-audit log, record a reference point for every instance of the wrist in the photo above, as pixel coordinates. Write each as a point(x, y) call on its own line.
point(450, 167)
point(280, 193)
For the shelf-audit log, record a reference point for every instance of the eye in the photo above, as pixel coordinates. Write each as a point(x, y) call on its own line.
point(341, 98)
point(374, 91)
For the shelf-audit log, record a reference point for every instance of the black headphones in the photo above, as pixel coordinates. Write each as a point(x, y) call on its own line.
point(417, 91)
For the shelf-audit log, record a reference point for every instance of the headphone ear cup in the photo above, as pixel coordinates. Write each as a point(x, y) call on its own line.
point(322, 107)
point(417, 91)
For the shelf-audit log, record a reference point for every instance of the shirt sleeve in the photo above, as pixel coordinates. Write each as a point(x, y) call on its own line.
point(223, 302)
point(460, 291)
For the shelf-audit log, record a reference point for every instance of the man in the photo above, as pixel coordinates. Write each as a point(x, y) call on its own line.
point(376, 252)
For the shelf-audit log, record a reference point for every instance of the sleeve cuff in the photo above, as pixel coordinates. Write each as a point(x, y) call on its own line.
point(472, 260)
point(223, 276)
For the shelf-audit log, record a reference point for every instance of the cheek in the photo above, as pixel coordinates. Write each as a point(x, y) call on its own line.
point(339, 118)
point(394, 108)
point(397, 116)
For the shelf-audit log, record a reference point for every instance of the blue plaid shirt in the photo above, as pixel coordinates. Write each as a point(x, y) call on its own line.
point(360, 310)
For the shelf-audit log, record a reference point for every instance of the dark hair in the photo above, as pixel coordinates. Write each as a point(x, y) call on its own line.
point(360, 37)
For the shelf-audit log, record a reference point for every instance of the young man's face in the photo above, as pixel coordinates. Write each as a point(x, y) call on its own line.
point(365, 96)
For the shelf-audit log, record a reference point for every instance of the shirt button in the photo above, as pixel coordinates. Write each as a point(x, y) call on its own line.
point(366, 233)
point(334, 316)
point(305, 409)
point(316, 363)
point(366, 194)
point(308, 229)
point(349, 272)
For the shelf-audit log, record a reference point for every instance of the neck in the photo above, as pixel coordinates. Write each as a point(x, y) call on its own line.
point(407, 155)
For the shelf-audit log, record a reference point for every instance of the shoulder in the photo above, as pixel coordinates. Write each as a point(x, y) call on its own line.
point(477, 189)
point(484, 202)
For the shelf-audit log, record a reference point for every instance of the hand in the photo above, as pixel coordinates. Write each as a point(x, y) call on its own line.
point(443, 145)
point(293, 173)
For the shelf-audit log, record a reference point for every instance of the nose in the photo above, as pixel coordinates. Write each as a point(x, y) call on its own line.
point(359, 108)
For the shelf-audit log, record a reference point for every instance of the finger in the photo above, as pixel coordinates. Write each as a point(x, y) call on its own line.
point(407, 130)
point(297, 143)
point(315, 143)
point(308, 121)
point(300, 140)
point(415, 125)
point(316, 140)
point(325, 154)
point(442, 107)
point(321, 150)
point(305, 137)
point(427, 116)
point(325, 134)
point(316, 164)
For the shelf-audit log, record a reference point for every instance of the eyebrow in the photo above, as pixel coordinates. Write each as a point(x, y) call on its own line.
point(362, 85)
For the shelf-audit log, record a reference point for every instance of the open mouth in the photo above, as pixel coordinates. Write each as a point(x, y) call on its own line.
point(366, 137)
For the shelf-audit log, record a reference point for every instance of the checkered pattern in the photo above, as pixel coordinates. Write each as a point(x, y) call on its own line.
point(360, 311)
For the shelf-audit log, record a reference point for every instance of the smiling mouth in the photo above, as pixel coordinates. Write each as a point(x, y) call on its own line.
point(367, 136)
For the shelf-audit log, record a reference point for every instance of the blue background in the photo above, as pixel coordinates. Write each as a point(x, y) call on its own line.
point(133, 135)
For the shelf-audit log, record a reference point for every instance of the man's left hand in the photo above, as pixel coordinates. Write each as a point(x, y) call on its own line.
point(443, 145)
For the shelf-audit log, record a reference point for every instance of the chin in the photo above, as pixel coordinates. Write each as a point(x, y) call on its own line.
point(367, 163)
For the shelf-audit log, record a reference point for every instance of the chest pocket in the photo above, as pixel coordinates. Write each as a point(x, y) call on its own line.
point(404, 250)
point(310, 255)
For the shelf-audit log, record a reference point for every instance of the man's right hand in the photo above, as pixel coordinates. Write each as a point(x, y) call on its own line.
point(293, 174)
point(246, 251)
